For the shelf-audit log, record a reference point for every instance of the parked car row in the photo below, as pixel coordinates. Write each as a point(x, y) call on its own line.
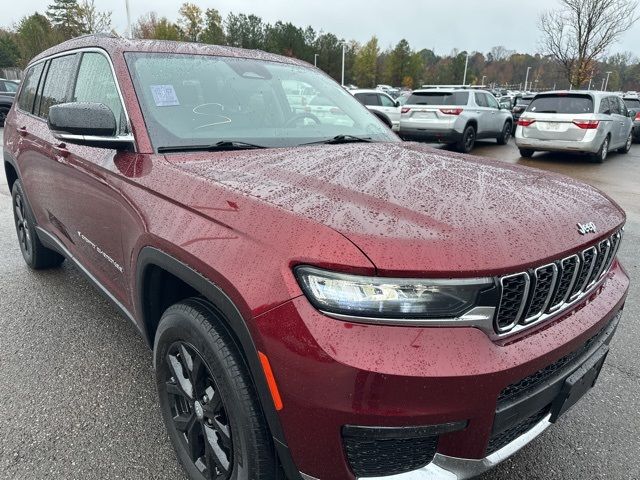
point(8, 89)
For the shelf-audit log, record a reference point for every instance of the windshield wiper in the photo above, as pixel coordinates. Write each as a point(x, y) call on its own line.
point(340, 139)
point(220, 146)
point(546, 111)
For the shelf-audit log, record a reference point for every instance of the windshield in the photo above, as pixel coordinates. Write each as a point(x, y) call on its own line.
point(190, 100)
point(561, 104)
point(632, 102)
point(438, 98)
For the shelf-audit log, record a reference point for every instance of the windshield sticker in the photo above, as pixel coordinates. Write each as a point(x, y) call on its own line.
point(164, 95)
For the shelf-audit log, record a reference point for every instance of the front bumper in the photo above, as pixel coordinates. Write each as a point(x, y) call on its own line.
point(333, 373)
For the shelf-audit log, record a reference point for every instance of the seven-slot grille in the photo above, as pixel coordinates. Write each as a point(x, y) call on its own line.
point(528, 297)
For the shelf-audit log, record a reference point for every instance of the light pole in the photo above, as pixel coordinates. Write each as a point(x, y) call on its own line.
point(466, 64)
point(606, 84)
point(602, 87)
point(343, 54)
point(482, 82)
point(315, 59)
point(526, 80)
point(126, 6)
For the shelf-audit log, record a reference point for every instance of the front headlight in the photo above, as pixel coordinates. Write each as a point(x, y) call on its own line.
point(379, 297)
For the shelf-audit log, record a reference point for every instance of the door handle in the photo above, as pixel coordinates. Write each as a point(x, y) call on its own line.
point(61, 149)
point(22, 131)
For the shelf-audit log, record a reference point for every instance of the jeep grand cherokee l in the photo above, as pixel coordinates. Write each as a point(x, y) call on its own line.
point(322, 300)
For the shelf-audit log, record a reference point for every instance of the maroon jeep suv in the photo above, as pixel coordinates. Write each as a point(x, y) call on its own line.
point(323, 301)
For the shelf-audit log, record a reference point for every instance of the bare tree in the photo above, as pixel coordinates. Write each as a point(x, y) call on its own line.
point(93, 20)
point(579, 33)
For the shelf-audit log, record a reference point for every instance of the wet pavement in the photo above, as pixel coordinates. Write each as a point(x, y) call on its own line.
point(77, 398)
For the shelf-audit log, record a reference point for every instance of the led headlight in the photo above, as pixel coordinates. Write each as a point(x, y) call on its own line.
point(380, 297)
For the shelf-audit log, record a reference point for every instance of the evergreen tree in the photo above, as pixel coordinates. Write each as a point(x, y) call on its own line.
point(64, 15)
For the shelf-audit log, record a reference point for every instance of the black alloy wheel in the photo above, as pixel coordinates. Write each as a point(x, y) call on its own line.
point(198, 410)
point(22, 225)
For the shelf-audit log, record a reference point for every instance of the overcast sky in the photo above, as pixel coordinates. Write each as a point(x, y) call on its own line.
point(439, 25)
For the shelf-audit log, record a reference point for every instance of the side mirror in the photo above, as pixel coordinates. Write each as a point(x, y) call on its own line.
point(90, 124)
point(397, 103)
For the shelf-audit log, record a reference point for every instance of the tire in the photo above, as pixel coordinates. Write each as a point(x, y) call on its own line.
point(504, 137)
point(468, 139)
point(35, 254)
point(4, 111)
point(190, 334)
point(602, 153)
point(627, 146)
point(526, 153)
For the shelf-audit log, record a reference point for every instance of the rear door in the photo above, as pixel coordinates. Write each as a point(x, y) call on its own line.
point(388, 107)
point(558, 116)
point(621, 117)
point(609, 108)
point(494, 111)
point(485, 119)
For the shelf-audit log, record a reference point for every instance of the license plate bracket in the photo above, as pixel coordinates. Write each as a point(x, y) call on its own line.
point(579, 383)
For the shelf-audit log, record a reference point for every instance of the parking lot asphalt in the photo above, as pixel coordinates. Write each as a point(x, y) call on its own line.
point(77, 397)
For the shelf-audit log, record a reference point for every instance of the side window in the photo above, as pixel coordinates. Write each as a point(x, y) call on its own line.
point(56, 86)
point(386, 101)
point(3, 86)
point(493, 103)
point(481, 99)
point(29, 87)
point(369, 99)
point(615, 108)
point(360, 97)
point(605, 106)
point(11, 87)
point(95, 83)
point(623, 107)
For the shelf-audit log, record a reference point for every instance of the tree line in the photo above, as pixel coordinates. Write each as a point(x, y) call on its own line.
point(366, 65)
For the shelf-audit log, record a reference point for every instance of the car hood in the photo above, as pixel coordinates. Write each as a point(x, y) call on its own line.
point(414, 209)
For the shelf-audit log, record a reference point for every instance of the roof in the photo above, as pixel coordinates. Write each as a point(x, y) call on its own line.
point(117, 45)
point(368, 90)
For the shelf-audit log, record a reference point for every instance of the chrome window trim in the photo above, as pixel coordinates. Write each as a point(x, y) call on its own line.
point(552, 290)
point(525, 296)
point(115, 79)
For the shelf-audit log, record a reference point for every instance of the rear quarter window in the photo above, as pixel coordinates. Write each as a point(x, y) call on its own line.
point(438, 98)
point(561, 104)
point(29, 87)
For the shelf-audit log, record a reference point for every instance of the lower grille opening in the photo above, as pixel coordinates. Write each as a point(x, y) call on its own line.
point(501, 439)
point(382, 451)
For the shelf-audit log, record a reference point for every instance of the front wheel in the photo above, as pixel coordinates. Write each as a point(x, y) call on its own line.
point(505, 135)
point(468, 139)
point(207, 398)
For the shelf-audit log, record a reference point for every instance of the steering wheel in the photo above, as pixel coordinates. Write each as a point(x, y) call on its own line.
point(301, 116)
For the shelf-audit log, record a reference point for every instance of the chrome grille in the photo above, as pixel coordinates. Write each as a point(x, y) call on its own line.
point(545, 282)
point(532, 296)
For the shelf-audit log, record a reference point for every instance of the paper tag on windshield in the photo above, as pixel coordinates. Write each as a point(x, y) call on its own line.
point(164, 95)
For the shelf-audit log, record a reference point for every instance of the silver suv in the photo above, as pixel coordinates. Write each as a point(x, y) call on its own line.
point(455, 116)
point(576, 121)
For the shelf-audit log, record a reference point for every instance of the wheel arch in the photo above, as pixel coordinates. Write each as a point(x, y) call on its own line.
point(153, 268)
point(382, 116)
point(10, 170)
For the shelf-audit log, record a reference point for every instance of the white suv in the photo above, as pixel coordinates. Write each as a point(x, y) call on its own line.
point(382, 105)
point(455, 116)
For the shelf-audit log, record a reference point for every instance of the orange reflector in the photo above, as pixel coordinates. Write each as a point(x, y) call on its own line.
point(271, 381)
